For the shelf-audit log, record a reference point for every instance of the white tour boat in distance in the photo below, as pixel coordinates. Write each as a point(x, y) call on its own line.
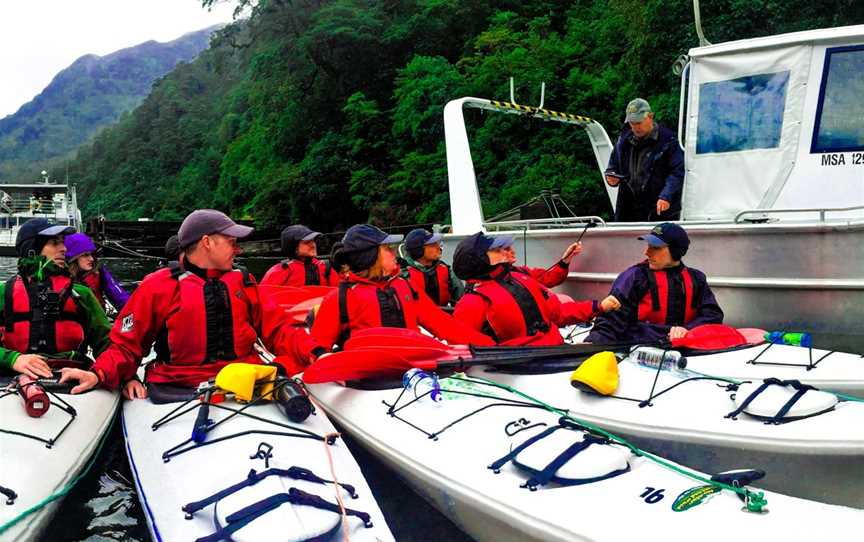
point(19, 202)
point(773, 195)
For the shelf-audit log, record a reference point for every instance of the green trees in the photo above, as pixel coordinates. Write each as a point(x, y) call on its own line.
point(330, 112)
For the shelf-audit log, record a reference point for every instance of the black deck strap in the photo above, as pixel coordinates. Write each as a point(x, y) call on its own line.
point(800, 390)
point(10, 495)
point(245, 516)
point(295, 473)
point(753, 395)
point(548, 473)
point(496, 465)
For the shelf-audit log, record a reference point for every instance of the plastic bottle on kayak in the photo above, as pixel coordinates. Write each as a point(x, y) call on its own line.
point(651, 356)
point(423, 384)
point(36, 401)
point(791, 339)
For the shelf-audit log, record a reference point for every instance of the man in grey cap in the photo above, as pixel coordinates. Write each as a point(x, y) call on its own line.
point(647, 165)
point(201, 313)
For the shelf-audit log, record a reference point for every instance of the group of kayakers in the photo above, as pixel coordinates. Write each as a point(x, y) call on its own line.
point(201, 312)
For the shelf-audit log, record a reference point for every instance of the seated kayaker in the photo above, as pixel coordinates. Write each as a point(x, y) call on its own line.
point(661, 297)
point(46, 317)
point(508, 305)
point(552, 276)
point(202, 314)
point(423, 268)
point(302, 266)
point(372, 294)
point(86, 269)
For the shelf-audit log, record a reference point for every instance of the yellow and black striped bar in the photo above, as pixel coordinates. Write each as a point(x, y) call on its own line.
point(546, 114)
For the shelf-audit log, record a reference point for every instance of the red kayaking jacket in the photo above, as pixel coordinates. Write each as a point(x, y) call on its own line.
point(549, 278)
point(513, 308)
point(361, 303)
point(62, 332)
point(299, 273)
point(201, 320)
point(436, 284)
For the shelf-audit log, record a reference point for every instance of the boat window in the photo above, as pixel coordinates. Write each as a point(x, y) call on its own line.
point(839, 124)
point(741, 114)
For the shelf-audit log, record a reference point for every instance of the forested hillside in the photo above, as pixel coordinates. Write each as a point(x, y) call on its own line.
point(88, 95)
point(330, 112)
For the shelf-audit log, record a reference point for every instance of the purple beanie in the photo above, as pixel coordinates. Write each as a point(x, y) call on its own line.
point(77, 244)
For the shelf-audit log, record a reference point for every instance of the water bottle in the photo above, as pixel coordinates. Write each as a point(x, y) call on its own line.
point(36, 401)
point(651, 356)
point(791, 339)
point(422, 383)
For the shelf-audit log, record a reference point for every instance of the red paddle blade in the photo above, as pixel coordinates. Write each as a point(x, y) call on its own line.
point(358, 364)
point(413, 353)
point(369, 340)
point(710, 337)
point(289, 295)
point(753, 335)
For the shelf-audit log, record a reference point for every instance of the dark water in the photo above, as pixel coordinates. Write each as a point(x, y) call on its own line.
point(104, 507)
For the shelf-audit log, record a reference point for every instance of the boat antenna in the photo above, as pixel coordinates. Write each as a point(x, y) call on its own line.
point(698, 20)
point(542, 94)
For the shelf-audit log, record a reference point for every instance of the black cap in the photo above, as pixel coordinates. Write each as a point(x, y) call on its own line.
point(417, 239)
point(208, 222)
point(292, 235)
point(365, 236)
point(470, 260)
point(669, 235)
point(33, 234)
point(172, 249)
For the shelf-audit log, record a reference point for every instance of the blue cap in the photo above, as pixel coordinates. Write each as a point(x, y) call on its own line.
point(669, 235)
point(366, 236)
point(419, 238)
point(33, 234)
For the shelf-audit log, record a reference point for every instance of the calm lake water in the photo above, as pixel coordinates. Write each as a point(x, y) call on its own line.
point(104, 507)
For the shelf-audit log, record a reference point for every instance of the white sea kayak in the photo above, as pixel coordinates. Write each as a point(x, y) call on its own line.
point(841, 372)
point(584, 489)
point(46, 456)
point(255, 476)
point(815, 450)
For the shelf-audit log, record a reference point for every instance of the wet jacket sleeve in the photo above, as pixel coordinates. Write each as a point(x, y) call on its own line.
point(572, 312)
point(613, 326)
point(112, 289)
point(550, 277)
point(97, 329)
point(709, 311)
point(615, 159)
point(7, 356)
point(326, 328)
point(292, 344)
point(133, 333)
point(446, 327)
point(471, 311)
point(675, 179)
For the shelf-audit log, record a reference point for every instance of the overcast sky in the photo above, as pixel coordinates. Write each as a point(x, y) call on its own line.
point(39, 38)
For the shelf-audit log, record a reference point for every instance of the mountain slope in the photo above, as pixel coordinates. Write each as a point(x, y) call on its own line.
point(85, 97)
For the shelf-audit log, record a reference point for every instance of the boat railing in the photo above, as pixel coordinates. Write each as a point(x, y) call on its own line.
point(544, 223)
point(763, 214)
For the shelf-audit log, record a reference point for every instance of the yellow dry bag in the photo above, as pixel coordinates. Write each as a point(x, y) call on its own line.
point(598, 374)
point(241, 379)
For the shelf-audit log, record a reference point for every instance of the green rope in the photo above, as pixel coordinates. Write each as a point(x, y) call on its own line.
point(755, 501)
point(66, 489)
